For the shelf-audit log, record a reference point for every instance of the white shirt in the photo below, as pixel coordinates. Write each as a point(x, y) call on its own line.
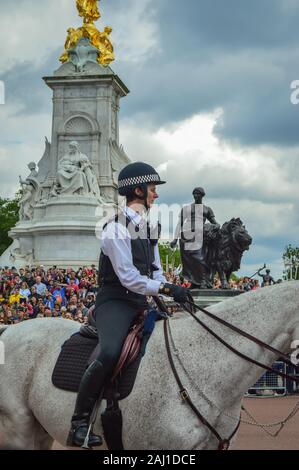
point(116, 244)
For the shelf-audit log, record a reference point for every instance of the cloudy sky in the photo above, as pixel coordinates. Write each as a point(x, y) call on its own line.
point(210, 106)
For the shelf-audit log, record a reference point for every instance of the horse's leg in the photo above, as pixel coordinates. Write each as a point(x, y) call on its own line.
point(42, 440)
point(17, 428)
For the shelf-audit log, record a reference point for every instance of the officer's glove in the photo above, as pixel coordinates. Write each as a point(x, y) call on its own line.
point(179, 293)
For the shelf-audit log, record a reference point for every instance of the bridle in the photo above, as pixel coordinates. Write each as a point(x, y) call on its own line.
point(284, 358)
point(191, 307)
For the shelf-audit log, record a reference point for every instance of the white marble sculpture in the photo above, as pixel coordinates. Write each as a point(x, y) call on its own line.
point(30, 190)
point(16, 254)
point(75, 174)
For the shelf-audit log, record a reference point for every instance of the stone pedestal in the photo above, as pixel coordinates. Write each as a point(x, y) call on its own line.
point(66, 236)
point(206, 297)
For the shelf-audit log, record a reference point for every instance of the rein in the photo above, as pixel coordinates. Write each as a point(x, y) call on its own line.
point(283, 356)
point(223, 443)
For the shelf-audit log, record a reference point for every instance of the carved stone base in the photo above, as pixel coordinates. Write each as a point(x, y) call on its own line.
point(206, 297)
point(67, 235)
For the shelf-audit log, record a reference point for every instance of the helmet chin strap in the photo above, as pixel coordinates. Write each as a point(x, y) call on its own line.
point(144, 187)
point(144, 197)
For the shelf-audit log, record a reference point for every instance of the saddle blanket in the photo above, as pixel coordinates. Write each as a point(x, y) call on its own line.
point(73, 360)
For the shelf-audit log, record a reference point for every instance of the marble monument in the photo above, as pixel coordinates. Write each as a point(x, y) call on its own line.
point(75, 183)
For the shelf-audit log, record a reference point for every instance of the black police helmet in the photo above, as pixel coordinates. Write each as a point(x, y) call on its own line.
point(137, 175)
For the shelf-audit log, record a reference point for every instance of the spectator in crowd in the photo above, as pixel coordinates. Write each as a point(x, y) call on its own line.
point(49, 301)
point(90, 300)
point(59, 294)
point(57, 309)
point(15, 297)
point(24, 291)
point(246, 284)
point(40, 287)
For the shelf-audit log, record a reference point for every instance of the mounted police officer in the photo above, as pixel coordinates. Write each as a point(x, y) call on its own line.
point(129, 270)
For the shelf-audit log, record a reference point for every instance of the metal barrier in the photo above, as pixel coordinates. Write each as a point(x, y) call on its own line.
point(292, 387)
point(270, 384)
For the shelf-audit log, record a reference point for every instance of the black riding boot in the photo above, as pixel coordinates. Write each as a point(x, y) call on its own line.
point(89, 391)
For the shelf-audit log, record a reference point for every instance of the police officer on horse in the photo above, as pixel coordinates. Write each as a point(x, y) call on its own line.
point(129, 270)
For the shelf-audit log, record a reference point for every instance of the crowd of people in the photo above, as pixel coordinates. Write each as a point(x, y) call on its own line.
point(38, 292)
point(243, 284)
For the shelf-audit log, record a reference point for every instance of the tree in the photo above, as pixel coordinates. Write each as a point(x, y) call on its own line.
point(291, 262)
point(9, 216)
point(169, 256)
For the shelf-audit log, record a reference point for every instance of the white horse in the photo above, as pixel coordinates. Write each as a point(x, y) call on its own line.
point(33, 412)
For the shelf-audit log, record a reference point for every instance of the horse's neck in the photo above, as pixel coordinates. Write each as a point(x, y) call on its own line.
point(270, 315)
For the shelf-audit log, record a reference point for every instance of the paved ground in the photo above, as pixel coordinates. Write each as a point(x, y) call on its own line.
point(269, 410)
point(265, 410)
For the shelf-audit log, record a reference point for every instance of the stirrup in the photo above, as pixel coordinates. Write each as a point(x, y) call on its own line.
point(85, 443)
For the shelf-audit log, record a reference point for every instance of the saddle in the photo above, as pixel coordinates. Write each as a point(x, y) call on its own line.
point(82, 348)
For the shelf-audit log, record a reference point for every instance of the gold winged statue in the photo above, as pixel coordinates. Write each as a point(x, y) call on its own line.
point(88, 9)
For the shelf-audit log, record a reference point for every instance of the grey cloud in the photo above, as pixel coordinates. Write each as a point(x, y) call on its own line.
point(24, 85)
point(229, 24)
point(236, 55)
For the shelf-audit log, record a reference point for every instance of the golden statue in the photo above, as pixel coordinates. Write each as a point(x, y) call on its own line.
point(72, 39)
point(101, 41)
point(88, 9)
point(105, 47)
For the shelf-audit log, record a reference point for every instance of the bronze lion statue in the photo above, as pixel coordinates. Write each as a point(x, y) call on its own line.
point(227, 250)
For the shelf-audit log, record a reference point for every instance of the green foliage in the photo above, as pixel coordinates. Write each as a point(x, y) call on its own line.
point(234, 277)
point(291, 261)
point(9, 216)
point(174, 257)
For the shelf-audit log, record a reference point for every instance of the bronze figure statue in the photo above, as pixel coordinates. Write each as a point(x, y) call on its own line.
point(220, 250)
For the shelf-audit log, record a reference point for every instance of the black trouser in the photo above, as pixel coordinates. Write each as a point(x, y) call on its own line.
point(116, 310)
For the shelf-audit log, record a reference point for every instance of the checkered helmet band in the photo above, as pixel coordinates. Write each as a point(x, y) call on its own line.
point(135, 180)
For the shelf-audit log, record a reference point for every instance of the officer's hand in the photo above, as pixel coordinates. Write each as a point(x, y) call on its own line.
point(179, 293)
